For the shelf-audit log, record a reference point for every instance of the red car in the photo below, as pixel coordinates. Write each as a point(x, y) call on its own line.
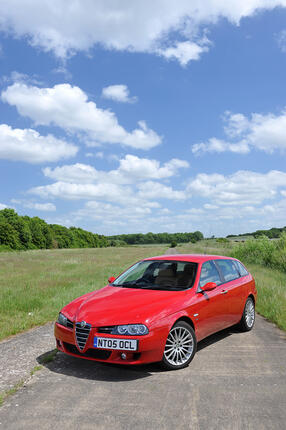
point(157, 310)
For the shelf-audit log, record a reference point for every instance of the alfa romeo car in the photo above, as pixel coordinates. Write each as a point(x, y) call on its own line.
point(157, 310)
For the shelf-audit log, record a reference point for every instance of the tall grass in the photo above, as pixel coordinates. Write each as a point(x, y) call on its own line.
point(270, 253)
point(35, 285)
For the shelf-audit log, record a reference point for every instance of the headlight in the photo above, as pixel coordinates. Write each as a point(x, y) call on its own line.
point(62, 319)
point(130, 329)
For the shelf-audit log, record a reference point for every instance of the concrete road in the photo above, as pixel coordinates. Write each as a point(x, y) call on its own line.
point(236, 381)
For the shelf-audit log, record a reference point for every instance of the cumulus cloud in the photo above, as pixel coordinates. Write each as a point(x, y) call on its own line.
point(75, 191)
point(115, 194)
point(218, 145)
point(118, 93)
point(143, 168)
point(135, 183)
point(46, 207)
point(156, 190)
point(2, 206)
point(68, 107)
point(131, 170)
point(29, 146)
point(125, 25)
point(263, 132)
point(184, 51)
point(239, 189)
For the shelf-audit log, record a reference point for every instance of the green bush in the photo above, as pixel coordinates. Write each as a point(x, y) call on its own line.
point(271, 253)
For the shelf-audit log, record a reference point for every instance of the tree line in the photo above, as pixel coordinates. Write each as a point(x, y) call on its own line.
point(153, 238)
point(22, 232)
point(272, 233)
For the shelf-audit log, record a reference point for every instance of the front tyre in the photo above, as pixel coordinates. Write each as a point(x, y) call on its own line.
point(248, 316)
point(181, 346)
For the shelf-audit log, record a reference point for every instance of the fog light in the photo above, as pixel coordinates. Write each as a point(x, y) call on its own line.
point(123, 356)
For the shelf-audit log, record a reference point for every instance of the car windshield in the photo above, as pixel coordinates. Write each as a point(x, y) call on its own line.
point(159, 275)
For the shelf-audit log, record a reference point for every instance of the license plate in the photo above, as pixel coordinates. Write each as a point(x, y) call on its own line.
point(120, 344)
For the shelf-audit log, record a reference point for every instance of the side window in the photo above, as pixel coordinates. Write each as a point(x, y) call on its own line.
point(228, 269)
point(209, 273)
point(242, 270)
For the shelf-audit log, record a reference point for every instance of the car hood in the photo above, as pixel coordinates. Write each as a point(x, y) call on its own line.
point(116, 305)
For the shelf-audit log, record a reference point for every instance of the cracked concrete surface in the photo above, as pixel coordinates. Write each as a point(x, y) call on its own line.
point(18, 354)
point(236, 381)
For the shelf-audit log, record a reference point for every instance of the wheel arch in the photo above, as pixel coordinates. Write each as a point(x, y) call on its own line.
point(252, 297)
point(187, 320)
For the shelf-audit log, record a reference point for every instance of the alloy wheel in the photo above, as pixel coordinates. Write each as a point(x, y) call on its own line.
point(179, 346)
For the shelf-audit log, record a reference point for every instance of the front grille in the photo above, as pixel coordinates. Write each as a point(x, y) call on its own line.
point(100, 354)
point(105, 329)
point(81, 334)
point(69, 324)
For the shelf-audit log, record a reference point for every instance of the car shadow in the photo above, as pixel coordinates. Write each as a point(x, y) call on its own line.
point(214, 338)
point(86, 369)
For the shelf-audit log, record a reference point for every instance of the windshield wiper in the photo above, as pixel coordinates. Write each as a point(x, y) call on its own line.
point(144, 286)
point(131, 285)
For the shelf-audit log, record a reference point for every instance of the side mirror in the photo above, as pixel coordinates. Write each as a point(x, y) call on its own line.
point(111, 279)
point(209, 286)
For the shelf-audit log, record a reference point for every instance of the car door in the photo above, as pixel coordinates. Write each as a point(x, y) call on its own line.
point(211, 306)
point(233, 289)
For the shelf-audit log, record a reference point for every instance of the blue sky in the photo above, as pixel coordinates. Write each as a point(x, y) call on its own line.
point(123, 117)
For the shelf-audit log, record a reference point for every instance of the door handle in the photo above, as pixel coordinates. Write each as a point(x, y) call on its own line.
point(224, 292)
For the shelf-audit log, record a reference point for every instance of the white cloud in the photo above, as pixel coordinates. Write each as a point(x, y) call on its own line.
point(208, 206)
point(118, 93)
point(240, 189)
point(47, 207)
point(143, 168)
point(68, 107)
point(29, 146)
point(184, 52)
point(125, 25)
point(98, 154)
point(129, 186)
point(75, 191)
point(263, 132)
point(131, 170)
point(2, 206)
point(74, 173)
point(156, 190)
point(217, 145)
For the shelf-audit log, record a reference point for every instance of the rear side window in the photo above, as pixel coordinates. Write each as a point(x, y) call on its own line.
point(209, 273)
point(228, 269)
point(242, 270)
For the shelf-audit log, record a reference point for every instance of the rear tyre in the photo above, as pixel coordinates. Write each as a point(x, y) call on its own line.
point(248, 317)
point(181, 346)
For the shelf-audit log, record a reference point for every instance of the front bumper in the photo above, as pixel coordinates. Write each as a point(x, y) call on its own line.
point(150, 346)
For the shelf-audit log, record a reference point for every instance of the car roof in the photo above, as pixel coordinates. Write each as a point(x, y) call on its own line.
point(195, 258)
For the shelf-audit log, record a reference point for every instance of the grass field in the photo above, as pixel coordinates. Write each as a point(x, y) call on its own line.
point(271, 283)
point(35, 285)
